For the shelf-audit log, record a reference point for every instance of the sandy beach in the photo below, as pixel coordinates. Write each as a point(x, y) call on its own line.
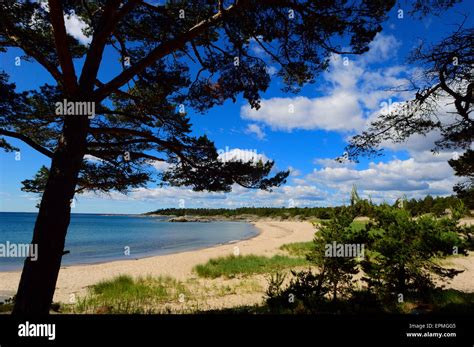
point(75, 279)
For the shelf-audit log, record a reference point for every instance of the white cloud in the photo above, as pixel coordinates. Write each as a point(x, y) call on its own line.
point(329, 113)
point(417, 176)
point(294, 172)
point(271, 70)
point(256, 130)
point(73, 23)
point(330, 185)
point(383, 47)
point(300, 195)
point(350, 89)
point(256, 49)
point(428, 156)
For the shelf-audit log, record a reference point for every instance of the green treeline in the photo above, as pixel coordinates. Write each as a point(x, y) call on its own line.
point(437, 206)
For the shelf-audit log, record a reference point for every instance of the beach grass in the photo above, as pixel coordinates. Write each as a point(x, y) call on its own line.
point(124, 294)
point(157, 295)
point(231, 266)
point(298, 249)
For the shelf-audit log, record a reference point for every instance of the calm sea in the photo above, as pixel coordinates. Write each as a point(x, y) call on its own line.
point(96, 238)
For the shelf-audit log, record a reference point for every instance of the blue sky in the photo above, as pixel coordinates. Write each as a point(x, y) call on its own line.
point(304, 132)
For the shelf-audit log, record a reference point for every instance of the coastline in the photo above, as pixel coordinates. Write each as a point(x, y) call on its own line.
point(74, 280)
point(145, 256)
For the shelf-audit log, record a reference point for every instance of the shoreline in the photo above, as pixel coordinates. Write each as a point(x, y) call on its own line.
point(258, 232)
point(74, 280)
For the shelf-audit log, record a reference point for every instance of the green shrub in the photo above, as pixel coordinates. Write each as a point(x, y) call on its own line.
point(336, 272)
point(310, 292)
point(401, 251)
point(400, 256)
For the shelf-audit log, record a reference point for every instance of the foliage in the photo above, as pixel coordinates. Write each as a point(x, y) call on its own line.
point(401, 254)
point(172, 57)
point(437, 206)
point(451, 300)
point(401, 250)
point(336, 272)
point(464, 166)
point(306, 291)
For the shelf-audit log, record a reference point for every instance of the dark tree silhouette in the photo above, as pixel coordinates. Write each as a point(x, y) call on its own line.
point(183, 54)
point(443, 102)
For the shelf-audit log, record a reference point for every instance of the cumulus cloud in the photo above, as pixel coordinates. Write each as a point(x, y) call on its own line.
point(294, 172)
point(329, 113)
point(271, 70)
point(350, 90)
point(418, 176)
point(332, 163)
point(415, 177)
point(383, 47)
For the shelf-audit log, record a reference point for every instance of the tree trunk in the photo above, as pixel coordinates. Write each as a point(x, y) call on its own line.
point(38, 279)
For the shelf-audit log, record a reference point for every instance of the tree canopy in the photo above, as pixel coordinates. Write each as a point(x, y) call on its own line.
point(173, 57)
point(104, 133)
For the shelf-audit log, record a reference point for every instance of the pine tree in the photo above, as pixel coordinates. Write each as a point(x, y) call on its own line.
point(173, 57)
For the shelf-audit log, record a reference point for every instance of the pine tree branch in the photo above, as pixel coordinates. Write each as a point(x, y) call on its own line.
point(62, 46)
point(107, 23)
point(28, 141)
point(163, 50)
point(28, 48)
